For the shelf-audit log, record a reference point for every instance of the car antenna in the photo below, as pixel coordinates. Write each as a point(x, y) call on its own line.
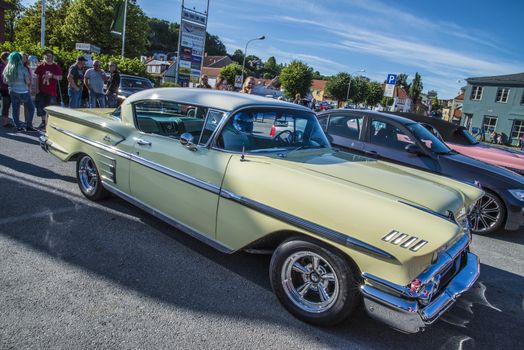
point(243, 155)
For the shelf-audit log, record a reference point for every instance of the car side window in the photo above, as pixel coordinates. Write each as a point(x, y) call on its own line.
point(345, 126)
point(323, 121)
point(387, 135)
point(212, 120)
point(169, 118)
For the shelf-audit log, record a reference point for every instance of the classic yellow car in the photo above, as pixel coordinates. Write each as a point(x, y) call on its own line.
point(340, 227)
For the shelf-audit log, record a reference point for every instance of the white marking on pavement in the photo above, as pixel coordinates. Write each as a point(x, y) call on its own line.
point(42, 214)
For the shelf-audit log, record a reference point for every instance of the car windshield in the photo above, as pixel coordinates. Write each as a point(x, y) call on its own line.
point(428, 139)
point(258, 130)
point(470, 138)
point(130, 83)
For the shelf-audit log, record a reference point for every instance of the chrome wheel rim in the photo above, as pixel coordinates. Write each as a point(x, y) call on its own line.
point(310, 282)
point(486, 214)
point(87, 175)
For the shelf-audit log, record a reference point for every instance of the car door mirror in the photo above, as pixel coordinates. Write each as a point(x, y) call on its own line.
point(414, 149)
point(186, 139)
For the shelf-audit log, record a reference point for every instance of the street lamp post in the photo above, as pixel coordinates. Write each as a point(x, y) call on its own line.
point(245, 54)
point(349, 85)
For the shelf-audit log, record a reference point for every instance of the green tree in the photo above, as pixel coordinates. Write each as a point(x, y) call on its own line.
point(296, 78)
point(215, 47)
point(163, 36)
point(337, 87)
point(28, 26)
point(11, 16)
point(89, 21)
point(238, 56)
point(415, 89)
point(359, 89)
point(402, 80)
point(230, 71)
point(271, 68)
point(375, 94)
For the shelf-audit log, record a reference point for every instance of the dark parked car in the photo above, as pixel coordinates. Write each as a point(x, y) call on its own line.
point(129, 84)
point(401, 140)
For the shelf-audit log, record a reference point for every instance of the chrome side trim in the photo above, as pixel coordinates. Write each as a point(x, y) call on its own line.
point(164, 217)
point(322, 231)
point(448, 217)
point(142, 161)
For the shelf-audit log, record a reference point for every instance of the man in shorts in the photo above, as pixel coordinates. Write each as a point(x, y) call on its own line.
point(49, 75)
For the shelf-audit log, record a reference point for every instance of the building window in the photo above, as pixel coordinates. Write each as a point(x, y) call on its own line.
point(502, 95)
point(476, 93)
point(518, 129)
point(489, 124)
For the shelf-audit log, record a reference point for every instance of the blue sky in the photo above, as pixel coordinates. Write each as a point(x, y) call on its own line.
point(443, 40)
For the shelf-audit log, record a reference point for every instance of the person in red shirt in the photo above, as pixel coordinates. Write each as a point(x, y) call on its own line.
point(49, 75)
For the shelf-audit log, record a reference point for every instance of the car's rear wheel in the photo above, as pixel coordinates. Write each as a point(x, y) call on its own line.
point(313, 282)
point(488, 214)
point(88, 178)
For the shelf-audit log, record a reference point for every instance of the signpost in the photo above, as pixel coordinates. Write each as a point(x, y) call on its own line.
point(390, 85)
point(191, 46)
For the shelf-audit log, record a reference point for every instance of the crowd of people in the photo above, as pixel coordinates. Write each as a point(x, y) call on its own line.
point(94, 86)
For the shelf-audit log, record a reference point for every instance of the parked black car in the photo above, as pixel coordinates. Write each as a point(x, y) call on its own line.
point(129, 84)
point(404, 141)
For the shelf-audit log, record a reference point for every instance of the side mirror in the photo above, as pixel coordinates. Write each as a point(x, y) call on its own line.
point(186, 139)
point(413, 149)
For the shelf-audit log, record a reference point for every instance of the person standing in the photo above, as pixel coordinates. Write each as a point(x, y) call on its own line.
point(48, 75)
point(204, 82)
point(221, 83)
point(17, 77)
point(113, 85)
point(4, 90)
point(249, 85)
point(94, 80)
point(75, 78)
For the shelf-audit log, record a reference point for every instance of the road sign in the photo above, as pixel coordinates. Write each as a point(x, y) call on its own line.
point(392, 79)
point(238, 81)
point(388, 91)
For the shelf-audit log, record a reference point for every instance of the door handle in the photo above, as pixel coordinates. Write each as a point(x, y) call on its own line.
point(143, 142)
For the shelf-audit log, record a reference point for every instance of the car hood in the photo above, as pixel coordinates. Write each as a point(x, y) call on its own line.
point(401, 183)
point(492, 155)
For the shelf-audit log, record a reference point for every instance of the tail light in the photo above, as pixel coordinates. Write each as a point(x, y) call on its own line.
point(273, 130)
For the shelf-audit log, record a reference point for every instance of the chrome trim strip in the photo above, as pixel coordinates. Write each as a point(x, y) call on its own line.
point(322, 231)
point(164, 217)
point(449, 218)
point(142, 161)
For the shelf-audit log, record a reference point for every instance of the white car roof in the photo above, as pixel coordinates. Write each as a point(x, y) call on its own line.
point(223, 100)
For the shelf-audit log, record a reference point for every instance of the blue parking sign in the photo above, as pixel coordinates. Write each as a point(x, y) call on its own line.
point(392, 79)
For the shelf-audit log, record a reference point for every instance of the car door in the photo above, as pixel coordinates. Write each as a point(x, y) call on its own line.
point(179, 181)
point(344, 130)
point(388, 140)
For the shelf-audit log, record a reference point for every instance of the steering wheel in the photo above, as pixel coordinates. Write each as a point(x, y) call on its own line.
point(292, 136)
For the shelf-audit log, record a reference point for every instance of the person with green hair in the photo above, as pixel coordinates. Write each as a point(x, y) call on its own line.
point(18, 78)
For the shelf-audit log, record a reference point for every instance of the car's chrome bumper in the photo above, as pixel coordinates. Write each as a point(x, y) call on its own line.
point(43, 142)
point(442, 283)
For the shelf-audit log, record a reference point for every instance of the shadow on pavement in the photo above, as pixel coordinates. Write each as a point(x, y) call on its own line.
point(21, 137)
point(173, 268)
point(32, 169)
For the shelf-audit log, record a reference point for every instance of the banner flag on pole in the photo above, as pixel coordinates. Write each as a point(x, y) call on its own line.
point(117, 26)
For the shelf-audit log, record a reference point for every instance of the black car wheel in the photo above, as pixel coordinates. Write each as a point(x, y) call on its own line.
point(88, 178)
point(488, 214)
point(313, 282)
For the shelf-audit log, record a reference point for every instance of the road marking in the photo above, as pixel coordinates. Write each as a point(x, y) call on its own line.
point(42, 214)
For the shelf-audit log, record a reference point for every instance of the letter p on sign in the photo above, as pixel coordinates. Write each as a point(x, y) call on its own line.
point(392, 79)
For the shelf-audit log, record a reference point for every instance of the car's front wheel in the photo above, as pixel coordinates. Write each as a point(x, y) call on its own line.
point(488, 214)
point(88, 178)
point(313, 282)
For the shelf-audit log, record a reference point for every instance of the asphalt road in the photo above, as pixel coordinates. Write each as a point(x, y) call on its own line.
point(77, 274)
